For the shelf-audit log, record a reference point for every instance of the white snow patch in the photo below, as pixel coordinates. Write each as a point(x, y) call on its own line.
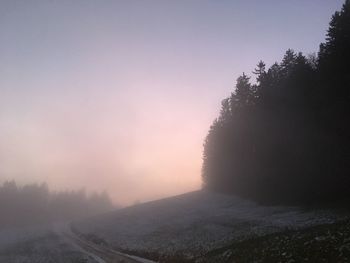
point(194, 223)
point(9, 236)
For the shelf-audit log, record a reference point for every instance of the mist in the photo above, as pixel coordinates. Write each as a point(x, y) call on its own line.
point(174, 131)
point(118, 96)
point(35, 204)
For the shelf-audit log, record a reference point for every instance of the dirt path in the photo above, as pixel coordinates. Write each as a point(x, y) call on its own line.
point(100, 254)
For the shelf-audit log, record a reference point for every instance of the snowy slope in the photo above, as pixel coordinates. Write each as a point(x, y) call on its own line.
point(194, 223)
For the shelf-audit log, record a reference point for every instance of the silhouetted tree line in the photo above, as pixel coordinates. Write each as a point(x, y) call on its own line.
point(285, 138)
point(35, 204)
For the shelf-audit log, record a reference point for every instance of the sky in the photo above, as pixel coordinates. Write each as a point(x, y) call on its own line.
point(119, 95)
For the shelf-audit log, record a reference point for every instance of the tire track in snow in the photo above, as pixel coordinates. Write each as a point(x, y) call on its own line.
point(99, 253)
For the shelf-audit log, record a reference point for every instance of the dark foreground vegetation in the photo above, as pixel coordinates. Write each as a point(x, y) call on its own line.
point(35, 204)
point(324, 243)
point(285, 139)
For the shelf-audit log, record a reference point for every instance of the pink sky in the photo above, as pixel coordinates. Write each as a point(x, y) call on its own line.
point(119, 95)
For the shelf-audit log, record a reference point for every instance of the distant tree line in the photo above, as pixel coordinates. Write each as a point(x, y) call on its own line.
point(285, 139)
point(35, 204)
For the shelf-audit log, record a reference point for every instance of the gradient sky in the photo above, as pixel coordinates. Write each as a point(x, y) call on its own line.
point(119, 95)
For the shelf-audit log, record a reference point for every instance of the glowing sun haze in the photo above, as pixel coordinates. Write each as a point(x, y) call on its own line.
point(119, 95)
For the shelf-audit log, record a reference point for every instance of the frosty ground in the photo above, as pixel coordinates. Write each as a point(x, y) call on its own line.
point(191, 226)
point(55, 243)
point(195, 227)
point(39, 244)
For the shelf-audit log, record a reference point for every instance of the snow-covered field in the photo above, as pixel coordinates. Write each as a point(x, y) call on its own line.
point(39, 244)
point(195, 223)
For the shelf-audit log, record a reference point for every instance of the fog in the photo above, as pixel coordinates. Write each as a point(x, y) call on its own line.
point(34, 204)
point(119, 95)
point(174, 131)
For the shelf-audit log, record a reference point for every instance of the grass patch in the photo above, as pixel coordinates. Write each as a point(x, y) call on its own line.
point(324, 243)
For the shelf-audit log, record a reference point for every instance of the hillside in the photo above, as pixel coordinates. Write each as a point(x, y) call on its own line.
point(191, 225)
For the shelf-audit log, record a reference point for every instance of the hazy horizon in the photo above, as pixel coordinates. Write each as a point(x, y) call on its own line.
point(119, 95)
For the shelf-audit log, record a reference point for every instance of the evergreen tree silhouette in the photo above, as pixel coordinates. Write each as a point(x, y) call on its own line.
point(285, 139)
